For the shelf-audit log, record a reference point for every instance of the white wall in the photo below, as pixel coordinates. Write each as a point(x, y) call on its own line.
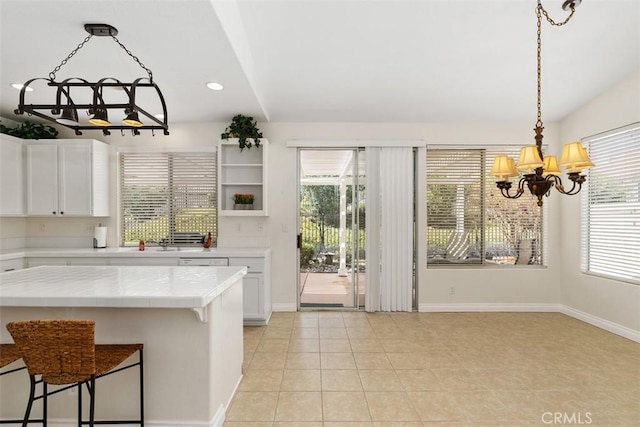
point(611, 300)
point(561, 282)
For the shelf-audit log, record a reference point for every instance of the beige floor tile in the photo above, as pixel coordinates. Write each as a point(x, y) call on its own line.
point(247, 424)
point(458, 379)
point(253, 331)
point(418, 380)
point(333, 333)
point(341, 380)
point(348, 424)
point(305, 322)
point(361, 332)
point(345, 406)
point(380, 380)
point(331, 322)
point(261, 380)
point(372, 361)
point(274, 332)
point(483, 406)
point(299, 406)
point(407, 360)
point(334, 345)
point(390, 406)
point(337, 361)
point(366, 345)
point(436, 406)
point(305, 333)
point(268, 361)
point(301, 380)
point(273, 345)
point(303, 361)
point(279, 321)
point(361, 322)
point(297, 424)
point(398, 424)
point(250, 344)
point(304, 346)
point(253, 406)
point(395, 345)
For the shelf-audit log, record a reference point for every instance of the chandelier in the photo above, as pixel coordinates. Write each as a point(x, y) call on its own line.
point(540, 172)
point(119, 98)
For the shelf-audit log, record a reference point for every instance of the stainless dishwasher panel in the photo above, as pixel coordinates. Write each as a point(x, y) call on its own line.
point(209, 262)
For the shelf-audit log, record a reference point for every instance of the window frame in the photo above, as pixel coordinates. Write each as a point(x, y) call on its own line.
point(487, 153)
point(165, 151)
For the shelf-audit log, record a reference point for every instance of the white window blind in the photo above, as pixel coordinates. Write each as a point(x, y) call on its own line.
point(611, 206)
point(468, 221)
point(167, 197)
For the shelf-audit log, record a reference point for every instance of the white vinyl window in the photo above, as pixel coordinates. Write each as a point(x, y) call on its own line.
point(611, 206)
point(469, 222)
point(168, 197)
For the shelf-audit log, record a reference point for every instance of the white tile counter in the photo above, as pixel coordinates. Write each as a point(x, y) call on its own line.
point(116, 287)
point(192, 367)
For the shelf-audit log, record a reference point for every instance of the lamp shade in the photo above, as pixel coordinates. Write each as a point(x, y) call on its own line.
point(69, 117)
point(100, 118)
point(574, 157)
point(550, 166)
point(503, 168)
point(132, 119)
point(529, 158)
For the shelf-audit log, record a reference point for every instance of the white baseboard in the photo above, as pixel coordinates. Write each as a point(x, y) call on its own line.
point(488, 307)
point(284, 307)
point(218, 418)
point(599, 322)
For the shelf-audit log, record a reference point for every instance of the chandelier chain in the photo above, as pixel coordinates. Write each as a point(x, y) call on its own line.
point(52, 74)
point(135, 58)
point(540, 10)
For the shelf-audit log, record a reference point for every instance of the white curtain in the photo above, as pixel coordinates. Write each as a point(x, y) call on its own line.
point(389, 229)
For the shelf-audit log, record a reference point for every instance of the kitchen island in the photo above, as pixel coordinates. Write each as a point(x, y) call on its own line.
point(189, 319)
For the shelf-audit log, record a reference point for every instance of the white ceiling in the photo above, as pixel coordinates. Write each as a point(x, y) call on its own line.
point(331, 61)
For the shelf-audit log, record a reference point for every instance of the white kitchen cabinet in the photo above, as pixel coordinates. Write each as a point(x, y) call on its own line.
point(67, 178)
point(256, 288)
point(38, 261)
point(11, 176)
point(243, 172)
point(162, 261)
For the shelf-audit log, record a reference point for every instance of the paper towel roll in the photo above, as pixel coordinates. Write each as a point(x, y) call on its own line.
point(100, 237)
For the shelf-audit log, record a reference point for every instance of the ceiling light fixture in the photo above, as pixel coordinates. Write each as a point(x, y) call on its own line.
point(540, 173)
point(96, 106)
point(215, 86)
point(20, 86)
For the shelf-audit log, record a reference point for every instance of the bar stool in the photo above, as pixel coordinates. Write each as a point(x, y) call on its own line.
point(9, 353)
point(64, 353)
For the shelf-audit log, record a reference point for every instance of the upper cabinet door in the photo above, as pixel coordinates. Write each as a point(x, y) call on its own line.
point(75, 179)
point(42, 179)
point(67, 178)
point(11, 176)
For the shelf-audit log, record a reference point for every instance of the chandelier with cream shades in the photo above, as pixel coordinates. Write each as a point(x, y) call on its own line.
point(541, 172)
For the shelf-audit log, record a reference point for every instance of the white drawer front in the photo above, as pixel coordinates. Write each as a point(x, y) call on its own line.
point(254, 265)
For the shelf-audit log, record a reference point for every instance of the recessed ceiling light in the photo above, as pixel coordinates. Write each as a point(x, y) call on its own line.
point(19, 86)
point(214, 86)
point(159, 116)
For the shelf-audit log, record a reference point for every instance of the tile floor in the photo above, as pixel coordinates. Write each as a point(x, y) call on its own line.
point(345, 369)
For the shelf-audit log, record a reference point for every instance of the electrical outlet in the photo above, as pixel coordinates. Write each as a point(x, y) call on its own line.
point(260, 227)
point(452, 290)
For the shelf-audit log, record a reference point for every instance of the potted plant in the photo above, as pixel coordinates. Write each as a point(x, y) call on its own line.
point(242, 201)
point(29, 130)
point(244, 128)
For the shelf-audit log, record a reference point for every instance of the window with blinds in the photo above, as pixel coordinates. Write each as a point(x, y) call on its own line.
point(469, 222)
point(168, 197)
point(611, 206)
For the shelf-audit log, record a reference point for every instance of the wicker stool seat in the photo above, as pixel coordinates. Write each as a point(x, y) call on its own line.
point(64, 353)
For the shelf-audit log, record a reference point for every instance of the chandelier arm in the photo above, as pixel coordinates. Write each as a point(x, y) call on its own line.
point(135, 58)
point(52, 74)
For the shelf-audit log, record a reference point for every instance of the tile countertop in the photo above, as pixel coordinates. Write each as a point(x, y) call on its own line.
point(150, 252)
point(116, 287)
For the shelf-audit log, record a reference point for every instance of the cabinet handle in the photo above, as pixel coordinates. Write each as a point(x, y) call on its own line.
point(54, 212)
point(61, 213)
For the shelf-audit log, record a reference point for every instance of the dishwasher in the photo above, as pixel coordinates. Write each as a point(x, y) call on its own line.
point(210, 262)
